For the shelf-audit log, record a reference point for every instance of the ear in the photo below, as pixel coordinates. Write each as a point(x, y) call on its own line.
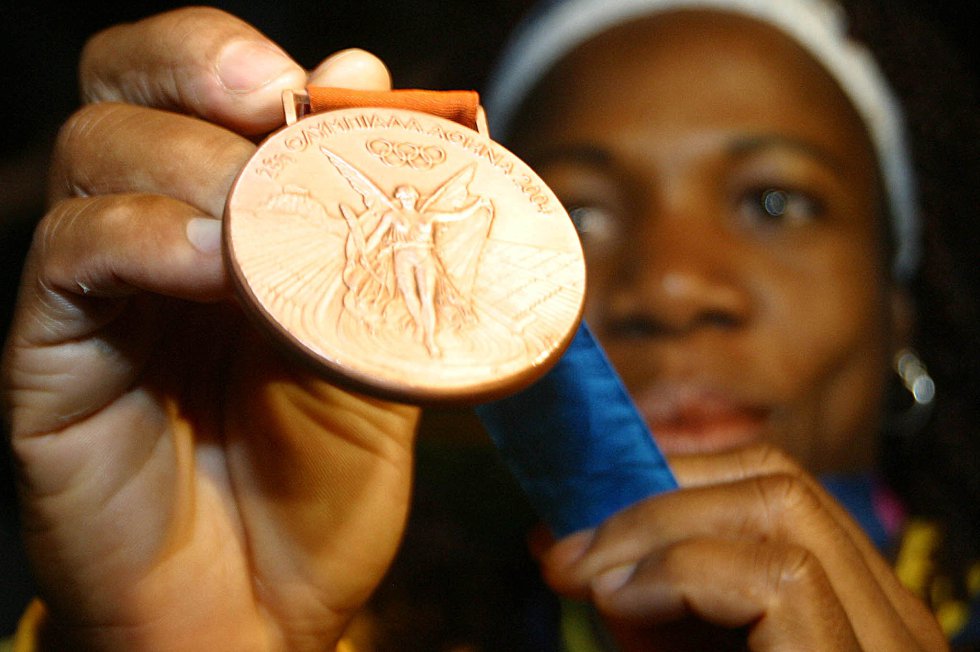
point(902, 317)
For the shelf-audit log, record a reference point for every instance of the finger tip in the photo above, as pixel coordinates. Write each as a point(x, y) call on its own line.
point(353, 68)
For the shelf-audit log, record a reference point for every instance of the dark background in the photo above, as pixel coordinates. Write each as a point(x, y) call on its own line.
point(427, 43)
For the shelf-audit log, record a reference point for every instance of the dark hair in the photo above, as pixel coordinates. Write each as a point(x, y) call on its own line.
point(936, 469)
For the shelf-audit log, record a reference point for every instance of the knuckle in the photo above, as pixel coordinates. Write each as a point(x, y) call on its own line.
point(76, 138)
point(187, 27)
point(70, 134)
point(785, 494)
point(220, 153)
point(78, 224)
point(49, 236)
point(627, 525)
point(771, 459)
point(793, 568)
point(122, 209)
point(92, 215)
point(608, 532)
point(84, 132)
point(55, 222)
point(191, 17)
point(114, 148)
point(681, 561)
point(674, 559)
point(94, 86)
point(75, 127)
point(46, 229)
point(104, 78)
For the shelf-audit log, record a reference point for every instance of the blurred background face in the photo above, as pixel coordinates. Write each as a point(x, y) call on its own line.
point(728, 204)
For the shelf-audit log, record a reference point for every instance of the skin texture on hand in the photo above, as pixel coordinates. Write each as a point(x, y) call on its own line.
point(751, 553)
point(182, 487)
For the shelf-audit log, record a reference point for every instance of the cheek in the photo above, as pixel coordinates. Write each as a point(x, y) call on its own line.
point(828, 336)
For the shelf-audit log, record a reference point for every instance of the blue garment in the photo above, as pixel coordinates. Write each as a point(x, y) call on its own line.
point(856, 494)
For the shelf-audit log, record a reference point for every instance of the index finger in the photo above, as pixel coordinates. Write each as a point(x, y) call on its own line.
point(198, 60)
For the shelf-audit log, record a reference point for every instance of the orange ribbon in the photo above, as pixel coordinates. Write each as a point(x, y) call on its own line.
point(459, 106)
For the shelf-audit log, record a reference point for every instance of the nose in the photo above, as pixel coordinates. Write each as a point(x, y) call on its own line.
point(678, 276)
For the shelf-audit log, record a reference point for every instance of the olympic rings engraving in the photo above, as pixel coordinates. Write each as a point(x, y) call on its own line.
point(419, 157)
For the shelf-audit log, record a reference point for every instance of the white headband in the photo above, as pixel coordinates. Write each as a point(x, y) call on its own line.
point(817, 25)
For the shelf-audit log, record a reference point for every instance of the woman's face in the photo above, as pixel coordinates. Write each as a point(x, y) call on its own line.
point(728, 203)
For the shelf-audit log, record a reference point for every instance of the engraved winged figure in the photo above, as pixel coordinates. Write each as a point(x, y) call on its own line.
point(405, 246)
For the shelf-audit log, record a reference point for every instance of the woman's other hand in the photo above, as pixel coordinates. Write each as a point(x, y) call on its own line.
point(751, 553)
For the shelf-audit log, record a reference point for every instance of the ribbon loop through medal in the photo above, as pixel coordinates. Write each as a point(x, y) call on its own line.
point(397, 250)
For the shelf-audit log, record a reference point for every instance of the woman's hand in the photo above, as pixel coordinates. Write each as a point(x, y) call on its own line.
point(182, 487)
point(751, 554)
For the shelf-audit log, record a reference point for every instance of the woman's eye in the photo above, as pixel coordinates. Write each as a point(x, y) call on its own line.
point(780, 206)
point(595, 225)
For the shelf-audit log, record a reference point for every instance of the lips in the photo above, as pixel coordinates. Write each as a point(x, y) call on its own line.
point(688, 418)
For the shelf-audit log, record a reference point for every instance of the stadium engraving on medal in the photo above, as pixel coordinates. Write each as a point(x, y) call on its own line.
point(405, 255)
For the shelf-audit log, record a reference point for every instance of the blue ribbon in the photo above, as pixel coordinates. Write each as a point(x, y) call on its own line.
point(576, 443)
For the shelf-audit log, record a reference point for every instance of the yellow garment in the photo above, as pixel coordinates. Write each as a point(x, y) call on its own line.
point(26, 638)
point(916, 569)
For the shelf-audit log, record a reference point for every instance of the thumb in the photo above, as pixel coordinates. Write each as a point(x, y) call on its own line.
point(198, 60)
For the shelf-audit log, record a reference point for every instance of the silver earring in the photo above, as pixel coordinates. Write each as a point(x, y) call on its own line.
point(915, 377)
point(922, 388)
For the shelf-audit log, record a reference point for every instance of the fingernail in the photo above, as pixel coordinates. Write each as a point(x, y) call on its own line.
point(245, 66)
point(204, 233)
point(613, 579)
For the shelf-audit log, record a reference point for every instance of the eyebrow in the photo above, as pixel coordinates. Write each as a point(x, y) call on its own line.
point(738, 147)
point(580, 153)
point(742, 146)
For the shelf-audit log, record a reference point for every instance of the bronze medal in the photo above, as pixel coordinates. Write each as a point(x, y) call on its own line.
point(405, 255)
